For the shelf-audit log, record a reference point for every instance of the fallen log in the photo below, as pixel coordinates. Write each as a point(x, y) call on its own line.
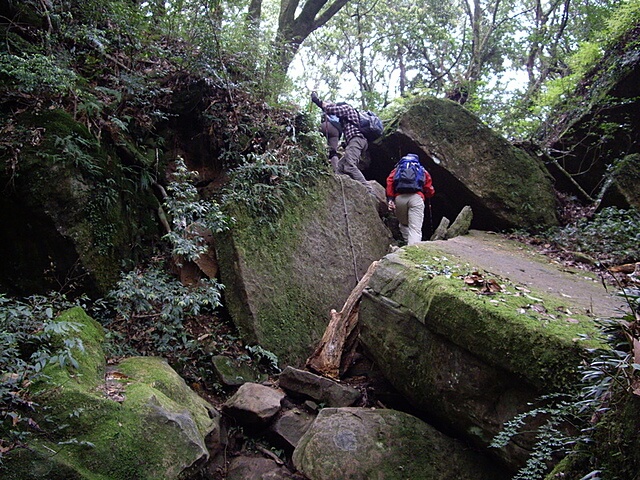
point(337, 346)
point(626, 268)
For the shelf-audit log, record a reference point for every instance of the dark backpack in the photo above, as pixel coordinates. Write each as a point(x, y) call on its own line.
point(370, 125)
point(409, 176)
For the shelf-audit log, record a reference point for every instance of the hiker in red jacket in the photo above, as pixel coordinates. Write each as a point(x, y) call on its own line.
point(356, 143)
point(408, 185)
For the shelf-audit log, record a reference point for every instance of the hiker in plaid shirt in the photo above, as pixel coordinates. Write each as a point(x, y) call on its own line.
point(356, 143)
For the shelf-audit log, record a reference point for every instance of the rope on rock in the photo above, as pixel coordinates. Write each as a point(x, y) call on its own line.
point(346, 218)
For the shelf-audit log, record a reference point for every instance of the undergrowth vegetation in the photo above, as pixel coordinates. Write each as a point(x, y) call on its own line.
point(264, 183)
point(29, 340)
point(150, 312)
point(612, 235)
point(569, 420)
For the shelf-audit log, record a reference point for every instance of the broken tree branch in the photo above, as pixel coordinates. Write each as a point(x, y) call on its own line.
point(327, 358)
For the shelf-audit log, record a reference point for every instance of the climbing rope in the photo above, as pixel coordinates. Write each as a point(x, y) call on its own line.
point(346, 219)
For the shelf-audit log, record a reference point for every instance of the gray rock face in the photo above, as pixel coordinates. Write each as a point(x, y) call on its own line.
point(255, 468)
point(282, 285)
point(461, 224)
point(624, 190)
point(291, 425)
point(361, 444)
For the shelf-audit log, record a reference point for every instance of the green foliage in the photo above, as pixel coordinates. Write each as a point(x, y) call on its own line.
point(612, 235)
point(30, 339)
point(75, 150)
point(151, 313)
point(551, 437)
point(558, 90)
point(157, 304)
point(266, 357)
point(36, 73)
point(585, 58)
point(626, 18)
point(103, 23)
point(264, 183)
point(190, 216)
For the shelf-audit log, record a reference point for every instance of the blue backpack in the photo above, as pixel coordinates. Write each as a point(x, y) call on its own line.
point(370, 125)
point(409, 176)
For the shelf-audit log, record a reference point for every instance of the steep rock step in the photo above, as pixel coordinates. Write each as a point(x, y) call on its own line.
point(475, 329)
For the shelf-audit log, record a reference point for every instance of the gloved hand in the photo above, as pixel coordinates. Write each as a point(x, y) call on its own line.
point(315, 99)
point(391, 204)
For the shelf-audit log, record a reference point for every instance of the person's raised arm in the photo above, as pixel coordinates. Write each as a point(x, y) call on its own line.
point(315, 99)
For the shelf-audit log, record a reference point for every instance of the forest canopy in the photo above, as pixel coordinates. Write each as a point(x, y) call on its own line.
point(507, 60)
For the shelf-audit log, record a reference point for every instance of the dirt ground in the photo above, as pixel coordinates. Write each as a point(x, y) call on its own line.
point(522, 264)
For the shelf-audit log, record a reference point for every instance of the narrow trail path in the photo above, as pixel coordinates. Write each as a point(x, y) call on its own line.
point(521, 264)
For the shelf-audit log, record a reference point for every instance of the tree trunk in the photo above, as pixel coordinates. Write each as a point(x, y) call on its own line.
point(292, 30)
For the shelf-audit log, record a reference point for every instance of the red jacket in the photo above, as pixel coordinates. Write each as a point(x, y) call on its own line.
point(427, 190)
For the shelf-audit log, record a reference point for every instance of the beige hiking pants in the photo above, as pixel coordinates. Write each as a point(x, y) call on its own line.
point(410, 215)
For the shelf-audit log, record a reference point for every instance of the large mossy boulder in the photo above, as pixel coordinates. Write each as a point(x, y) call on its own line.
point(282, 280)
point(70, 210)
point(470, 165)
point(469, 349)
point(624, 190)
point(597, 124)
point(361, 444)
point(135, 420)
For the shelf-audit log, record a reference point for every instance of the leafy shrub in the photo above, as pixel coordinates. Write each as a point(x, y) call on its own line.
point(29, 340)
point(151, 313)
point(265, 182)
point(190, 216)
point(613, 235)
point(154, 303)
point(262, 356)
point(624, 20)
point(36, 74)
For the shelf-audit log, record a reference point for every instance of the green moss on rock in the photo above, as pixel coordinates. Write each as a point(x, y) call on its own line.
point(466, 356)
point(385, 444)
point(139, 420)
point(504, 185)
point(85, 212)
point(532, 335)
point(282, 280)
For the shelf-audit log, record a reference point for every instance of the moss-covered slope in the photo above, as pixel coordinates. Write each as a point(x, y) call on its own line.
point(281, 282)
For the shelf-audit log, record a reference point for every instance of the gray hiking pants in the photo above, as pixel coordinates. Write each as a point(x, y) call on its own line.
point(348, 164)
